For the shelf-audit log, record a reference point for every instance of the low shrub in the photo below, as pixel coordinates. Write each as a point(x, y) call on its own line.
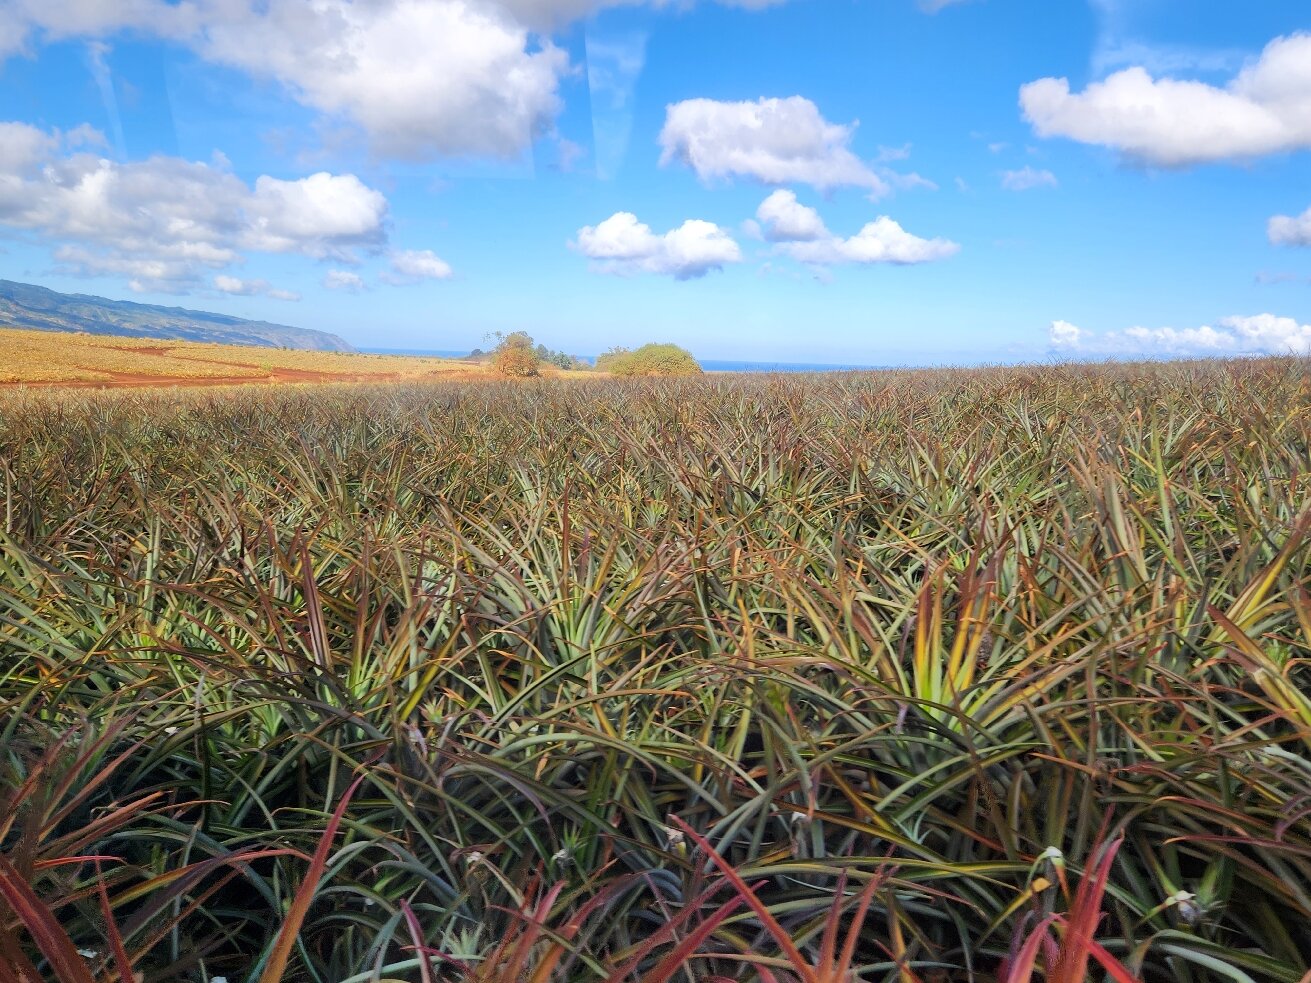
point(650, 359)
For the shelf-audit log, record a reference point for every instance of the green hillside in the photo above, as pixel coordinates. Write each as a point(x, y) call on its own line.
point(25, 305)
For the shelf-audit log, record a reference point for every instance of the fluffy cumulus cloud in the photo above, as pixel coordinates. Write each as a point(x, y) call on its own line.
point(798, 231)
point(160, 223)
point(343, 280)
point(623, 245)
point(1268, 333)
point(421, 78)
point(1063, 334)
point(1291, 230)
point(1027, 178)
point(24, 21)
point(1264, 109)
point(880, 241)
point(322, 215)
point(784, 219)
point(24, 148)
point(776, 141)
point(27, 21)
point(415, 266)
point(1260, 334)
point(251, 288)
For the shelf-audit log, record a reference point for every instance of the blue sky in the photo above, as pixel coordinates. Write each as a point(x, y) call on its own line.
point(878, 181)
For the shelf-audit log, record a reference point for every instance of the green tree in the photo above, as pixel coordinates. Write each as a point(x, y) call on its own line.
point(650, 359)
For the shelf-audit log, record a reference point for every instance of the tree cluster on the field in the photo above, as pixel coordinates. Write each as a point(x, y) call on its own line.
point(516, 356)
point(649, 360)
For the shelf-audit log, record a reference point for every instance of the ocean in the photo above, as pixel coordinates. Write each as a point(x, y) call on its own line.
point(709, 364)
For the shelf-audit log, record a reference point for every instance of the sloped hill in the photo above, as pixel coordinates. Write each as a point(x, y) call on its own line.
point(25, 305)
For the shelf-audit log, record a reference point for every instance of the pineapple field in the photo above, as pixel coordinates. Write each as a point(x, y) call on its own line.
point(991, 675)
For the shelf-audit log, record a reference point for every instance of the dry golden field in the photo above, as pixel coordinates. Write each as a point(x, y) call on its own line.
point(57, 358)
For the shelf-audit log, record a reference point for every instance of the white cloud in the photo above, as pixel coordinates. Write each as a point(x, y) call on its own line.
point(24, 147)
point(142, 274)
point(317, 215)
point(785, 220)
point(1260, 334)
point(880, 241)
point(905, 182)
point(161, 222)
point(251, 288)
point(1269, 333)
point(1027, 178)
point(1063, 334)
point(1264, 109)
point(343, 280)
point(1182, 341)
point(623, 245)
point(798, 231)
point(776, 141)
point(61, 19)
point(933, 6)
point(1290, 230)
point(419, 77)
point(422, 78)
point(416, 265)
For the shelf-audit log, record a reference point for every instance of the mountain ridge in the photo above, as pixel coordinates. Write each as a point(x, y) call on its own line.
point(27, 305)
